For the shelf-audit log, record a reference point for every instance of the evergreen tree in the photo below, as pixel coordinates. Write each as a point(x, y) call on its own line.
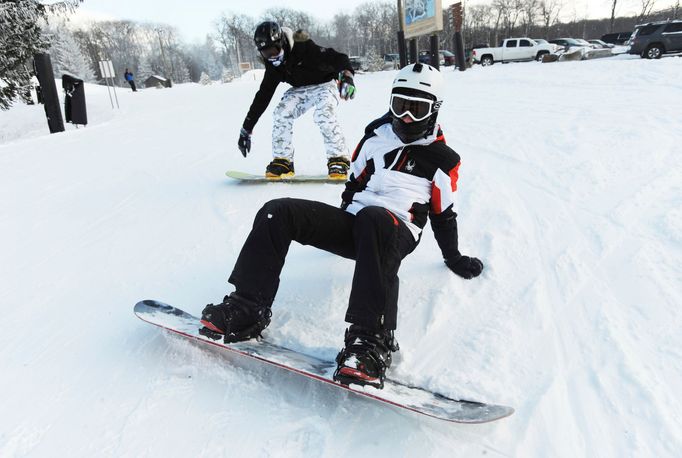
point(20, 38)
point(205, 79)
point(67, 56)
point(145, 69)
point(227, 75)
point(375, 62)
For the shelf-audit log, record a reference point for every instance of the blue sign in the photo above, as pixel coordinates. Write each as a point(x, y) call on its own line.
point(418, 10)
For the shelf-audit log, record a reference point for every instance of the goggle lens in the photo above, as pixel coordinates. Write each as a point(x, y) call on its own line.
point(418, 108)
point(271, 52)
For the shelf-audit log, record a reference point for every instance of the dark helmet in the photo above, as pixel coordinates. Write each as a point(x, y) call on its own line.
point(268, 34)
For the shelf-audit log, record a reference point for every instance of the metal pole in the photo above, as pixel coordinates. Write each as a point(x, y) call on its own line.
point(115, 96)
point(106, 81)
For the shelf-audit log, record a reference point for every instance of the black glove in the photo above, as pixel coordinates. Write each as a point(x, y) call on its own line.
point(244, 142)
point(465, 266)
point(346, 86)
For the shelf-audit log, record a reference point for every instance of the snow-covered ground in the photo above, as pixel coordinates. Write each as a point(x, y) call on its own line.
point(570, 192)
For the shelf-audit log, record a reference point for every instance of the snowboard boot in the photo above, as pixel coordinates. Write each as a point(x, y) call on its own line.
point(279, 168)
point(338, 168)
point(235, 319)
point(365, 357)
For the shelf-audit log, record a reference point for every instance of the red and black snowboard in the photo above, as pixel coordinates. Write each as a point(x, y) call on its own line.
point(394, 393)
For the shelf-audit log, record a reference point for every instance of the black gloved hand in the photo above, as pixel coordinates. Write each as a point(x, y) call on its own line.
point(244, 142)
point(465, 266)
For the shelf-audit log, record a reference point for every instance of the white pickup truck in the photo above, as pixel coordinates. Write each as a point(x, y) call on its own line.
point(513, 50)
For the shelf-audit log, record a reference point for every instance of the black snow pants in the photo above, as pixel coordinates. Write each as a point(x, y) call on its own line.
point(374, 238)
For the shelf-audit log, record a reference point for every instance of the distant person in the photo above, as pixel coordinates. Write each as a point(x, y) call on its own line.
point(403, 174)
point(128, 75)
point(311, 69)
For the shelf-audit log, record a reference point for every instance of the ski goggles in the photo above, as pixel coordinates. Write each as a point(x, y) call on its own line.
point(271, 52)
point(417, 107)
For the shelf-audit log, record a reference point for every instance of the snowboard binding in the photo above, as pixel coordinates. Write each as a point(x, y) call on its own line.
point(365, 357)
point(234, 320)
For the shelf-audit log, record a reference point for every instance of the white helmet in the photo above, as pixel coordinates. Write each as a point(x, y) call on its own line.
point(420, 77)
point(418, 92)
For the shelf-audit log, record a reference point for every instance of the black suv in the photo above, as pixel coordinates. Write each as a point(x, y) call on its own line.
point(656, 38)
point(616, 38)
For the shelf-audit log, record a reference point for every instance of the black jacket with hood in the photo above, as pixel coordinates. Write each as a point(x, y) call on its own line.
point(305, 63)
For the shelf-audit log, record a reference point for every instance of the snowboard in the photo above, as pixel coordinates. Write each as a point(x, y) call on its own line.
point(251, 178)
point(394, 393)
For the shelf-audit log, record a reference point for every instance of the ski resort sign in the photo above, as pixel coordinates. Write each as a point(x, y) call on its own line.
point(421, 17)
point(106, 69)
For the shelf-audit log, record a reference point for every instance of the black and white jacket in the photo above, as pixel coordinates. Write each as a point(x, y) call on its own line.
point(414, 181)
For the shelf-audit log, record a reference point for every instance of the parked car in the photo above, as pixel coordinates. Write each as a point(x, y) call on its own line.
point(391, 61)
point(569, 43)
point(358, 63)
point(586, 43)
point(602, 44)
point(654, 39)
point(425, 58)
point(540, 40)
point(512, 50)
point(447, 58)
point(616, 38)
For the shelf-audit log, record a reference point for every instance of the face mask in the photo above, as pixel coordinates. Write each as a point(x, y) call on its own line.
point(278, 59)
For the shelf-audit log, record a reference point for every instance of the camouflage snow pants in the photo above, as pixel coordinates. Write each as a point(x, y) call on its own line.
point(295, 102)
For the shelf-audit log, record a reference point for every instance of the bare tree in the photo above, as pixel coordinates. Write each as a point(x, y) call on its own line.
point(549, 11)
point(288, 17)
point(234, 33)
point(476, 27)
point(529, 10)
point(499, 7)
point(342, 26)
point(647, 6)
point(613, 15)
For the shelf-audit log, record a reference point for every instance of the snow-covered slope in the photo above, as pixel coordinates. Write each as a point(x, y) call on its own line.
point(572, 198)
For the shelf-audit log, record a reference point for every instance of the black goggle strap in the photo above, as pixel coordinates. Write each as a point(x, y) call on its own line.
point(417, 107)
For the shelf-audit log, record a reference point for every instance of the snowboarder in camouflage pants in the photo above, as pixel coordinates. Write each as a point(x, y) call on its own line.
point(295, 102)
point(312, 70)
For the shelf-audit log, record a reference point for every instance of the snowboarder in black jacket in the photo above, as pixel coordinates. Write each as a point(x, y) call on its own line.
point(311, 70)
point(402, 174)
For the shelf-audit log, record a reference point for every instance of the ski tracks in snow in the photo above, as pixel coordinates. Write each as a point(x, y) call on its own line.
point(584, 237)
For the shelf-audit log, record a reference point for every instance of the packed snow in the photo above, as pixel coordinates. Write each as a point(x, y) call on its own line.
point(570, 192)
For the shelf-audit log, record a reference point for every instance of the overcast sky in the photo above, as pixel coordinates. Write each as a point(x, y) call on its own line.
point(194, 18)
